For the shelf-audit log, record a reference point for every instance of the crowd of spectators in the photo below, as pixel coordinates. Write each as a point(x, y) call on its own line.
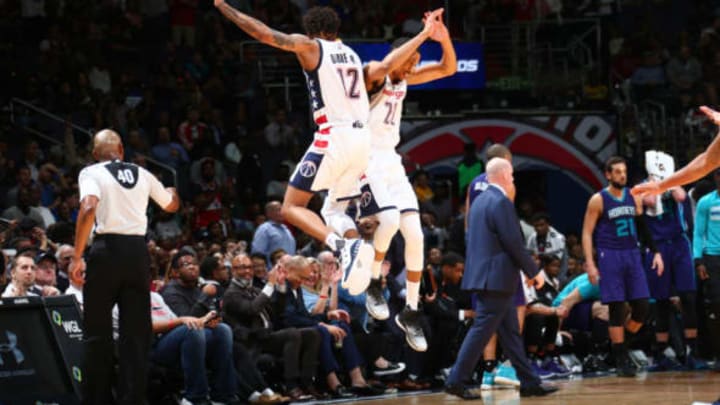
point(258, 300)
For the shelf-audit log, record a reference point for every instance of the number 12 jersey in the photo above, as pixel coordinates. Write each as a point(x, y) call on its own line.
point(337, 87)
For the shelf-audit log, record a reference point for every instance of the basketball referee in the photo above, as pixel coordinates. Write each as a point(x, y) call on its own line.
point(114, 197)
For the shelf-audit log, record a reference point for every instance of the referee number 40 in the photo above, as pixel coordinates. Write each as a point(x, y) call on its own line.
point(125, 176)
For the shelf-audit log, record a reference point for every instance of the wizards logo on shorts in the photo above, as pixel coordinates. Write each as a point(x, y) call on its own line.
point(306, 171)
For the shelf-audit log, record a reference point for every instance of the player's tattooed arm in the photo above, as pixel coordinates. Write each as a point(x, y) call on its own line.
point(261, 32)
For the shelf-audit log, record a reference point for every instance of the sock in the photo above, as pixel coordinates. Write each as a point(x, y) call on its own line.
point(618, 352)
point(489, 365)
point(691, 344)
point(332, 241)
point(254, 397)
point(412, 294)
point(376, 269)
point(268, 392)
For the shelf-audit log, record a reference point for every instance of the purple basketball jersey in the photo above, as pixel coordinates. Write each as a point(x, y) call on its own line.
point(671, 223)
point(616, 227)
point(477, 186)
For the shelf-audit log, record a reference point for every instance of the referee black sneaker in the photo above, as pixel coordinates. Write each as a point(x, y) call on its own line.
point(375, 302)
point(409, 321)
point(356, 258)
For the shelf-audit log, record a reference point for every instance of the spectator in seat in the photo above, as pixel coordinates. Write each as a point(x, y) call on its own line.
point(24, 208)
point(273, 234)
point(63, 255)
point(214, 272)
point(183, 294)
point(542, 321)
point(22, 280)
point(250, 311)
point(260, 269)
point(197, 310)
point(334, 328)
point(193, 344)
point(193, 133)
point(448, 309)
point(46, 273)
point(545, 240)
point(168, 152)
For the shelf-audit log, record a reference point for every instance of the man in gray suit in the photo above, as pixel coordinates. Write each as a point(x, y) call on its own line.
point(495, 251)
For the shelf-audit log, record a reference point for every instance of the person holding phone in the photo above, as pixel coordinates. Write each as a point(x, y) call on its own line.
point(196, 309)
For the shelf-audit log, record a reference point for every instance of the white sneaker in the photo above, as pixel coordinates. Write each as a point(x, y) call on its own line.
point(356, 258)
point(375, 302)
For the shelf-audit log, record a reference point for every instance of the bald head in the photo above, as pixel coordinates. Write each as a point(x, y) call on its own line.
point(500, 172)
point(107, 145)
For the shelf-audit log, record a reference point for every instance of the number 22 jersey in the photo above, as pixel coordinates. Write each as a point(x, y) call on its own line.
point(385, 113)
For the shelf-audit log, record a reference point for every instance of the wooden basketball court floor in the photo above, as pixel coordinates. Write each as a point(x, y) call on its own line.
point(671, 388)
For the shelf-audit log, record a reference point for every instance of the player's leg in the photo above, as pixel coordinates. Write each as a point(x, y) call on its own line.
point(408, 318)
point(295, 211)
point(684, 279)
point(613, 293)
point(659, 287)
point(712, 294)
point(490, 363)
point(331, 170)
point(375, 200)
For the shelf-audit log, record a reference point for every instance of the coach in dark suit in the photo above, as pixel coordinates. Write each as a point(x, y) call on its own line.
point(495, 252)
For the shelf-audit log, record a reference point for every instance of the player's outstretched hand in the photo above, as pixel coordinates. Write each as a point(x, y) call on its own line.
point(712, 115)
point(647, 189)
point(658, 264)
point(218, 3)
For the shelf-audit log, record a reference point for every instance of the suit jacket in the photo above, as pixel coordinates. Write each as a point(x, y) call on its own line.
point(296, 314)
point(250, 312)
point(496, 246)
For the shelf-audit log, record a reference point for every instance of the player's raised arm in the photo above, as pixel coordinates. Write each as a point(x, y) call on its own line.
point(447, 65)
point(703, 164)
point(297, 43)
point(375, 71)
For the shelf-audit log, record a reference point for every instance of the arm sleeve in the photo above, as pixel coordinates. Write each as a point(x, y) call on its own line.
point(511, 238)
point(157, 192)
point(88, 185)
point(644, 234)
point(700, 229)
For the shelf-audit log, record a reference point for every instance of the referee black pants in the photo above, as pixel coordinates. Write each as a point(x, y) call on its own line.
point(118, 272)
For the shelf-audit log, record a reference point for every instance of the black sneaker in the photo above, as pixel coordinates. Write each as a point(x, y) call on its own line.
point(375, 302)
point(626, 367)
point(409, 321)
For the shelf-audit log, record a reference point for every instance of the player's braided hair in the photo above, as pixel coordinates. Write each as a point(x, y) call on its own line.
point(321, 20)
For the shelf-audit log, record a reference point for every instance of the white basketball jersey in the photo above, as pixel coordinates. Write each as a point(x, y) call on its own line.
point(385, 113)
point(122, 190)
point(337, 87)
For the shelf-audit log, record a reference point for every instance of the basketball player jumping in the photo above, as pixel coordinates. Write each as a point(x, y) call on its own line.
point(340, 151)
point(386, 192)
point(610, 227)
